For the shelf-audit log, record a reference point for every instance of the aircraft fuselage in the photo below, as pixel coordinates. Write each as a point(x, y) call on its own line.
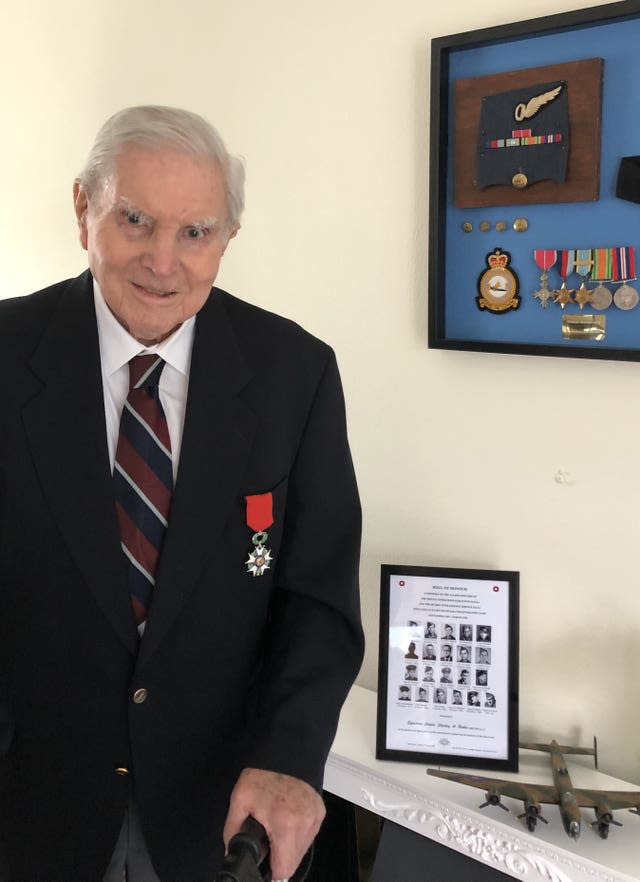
point(569, 808)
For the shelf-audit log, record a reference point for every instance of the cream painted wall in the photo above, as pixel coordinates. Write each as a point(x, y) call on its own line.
point(456, 453)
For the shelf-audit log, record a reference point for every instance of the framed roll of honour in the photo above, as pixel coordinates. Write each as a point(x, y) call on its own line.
point(448, 666)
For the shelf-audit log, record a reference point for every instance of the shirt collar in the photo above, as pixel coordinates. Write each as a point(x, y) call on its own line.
point(118, 347)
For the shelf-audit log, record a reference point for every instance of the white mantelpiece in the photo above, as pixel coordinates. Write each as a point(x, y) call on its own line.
point(448, 812)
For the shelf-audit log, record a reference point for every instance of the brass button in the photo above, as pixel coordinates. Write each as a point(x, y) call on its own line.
point(519, 181)
point(140, 696)
point(521, 225)
point(122, 771)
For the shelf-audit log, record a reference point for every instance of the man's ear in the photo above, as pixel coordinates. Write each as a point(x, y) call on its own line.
point(80, 204)
point(234, 232)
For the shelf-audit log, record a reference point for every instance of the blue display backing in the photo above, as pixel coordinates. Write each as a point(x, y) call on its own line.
point(607, 222)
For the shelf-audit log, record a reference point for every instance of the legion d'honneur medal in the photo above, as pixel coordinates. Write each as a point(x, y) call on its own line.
point(259, 519)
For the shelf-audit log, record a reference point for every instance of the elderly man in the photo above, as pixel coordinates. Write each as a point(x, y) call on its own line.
point(179, 536)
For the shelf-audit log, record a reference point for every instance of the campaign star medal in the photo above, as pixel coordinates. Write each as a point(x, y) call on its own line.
point(498, 285)
point(584, 265)
point(567, 262)
point(259, 519)
point(544, 259)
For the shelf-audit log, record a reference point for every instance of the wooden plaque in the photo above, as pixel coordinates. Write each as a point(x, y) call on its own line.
point(584, 90)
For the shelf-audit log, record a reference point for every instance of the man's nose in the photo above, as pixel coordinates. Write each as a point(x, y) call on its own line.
point(161, 253)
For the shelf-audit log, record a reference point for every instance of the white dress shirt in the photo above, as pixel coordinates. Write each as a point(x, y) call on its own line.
point(117, 348)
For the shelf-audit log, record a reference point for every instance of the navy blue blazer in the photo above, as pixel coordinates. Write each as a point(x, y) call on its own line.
point(240, 670)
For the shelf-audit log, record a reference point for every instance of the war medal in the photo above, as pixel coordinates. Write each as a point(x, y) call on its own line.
point(259, 519)
point(498, 285)
point(626, 297)
point(544, 259)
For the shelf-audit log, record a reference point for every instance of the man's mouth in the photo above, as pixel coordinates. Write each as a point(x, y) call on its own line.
point(154, 292)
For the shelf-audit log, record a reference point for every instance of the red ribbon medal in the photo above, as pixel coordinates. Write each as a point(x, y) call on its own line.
point(259, 519)
point(545, 259)
point(259, 511)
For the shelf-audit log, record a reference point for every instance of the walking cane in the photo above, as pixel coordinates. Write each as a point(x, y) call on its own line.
point(247, 858)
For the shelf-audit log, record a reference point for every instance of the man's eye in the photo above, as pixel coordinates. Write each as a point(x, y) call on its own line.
point(133, 217)
point(197, 232)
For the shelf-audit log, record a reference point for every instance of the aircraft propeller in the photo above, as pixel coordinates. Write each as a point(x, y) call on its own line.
point(604, 818)
point(492, 797)
point(532, 814)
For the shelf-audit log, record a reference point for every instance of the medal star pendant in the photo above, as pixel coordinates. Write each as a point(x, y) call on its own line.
point(563, 295)
point(582, 295)
point(258, 560)
point(542, 295)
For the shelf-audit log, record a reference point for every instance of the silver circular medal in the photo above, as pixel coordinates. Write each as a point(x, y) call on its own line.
point(626, 297)
point(601, 297)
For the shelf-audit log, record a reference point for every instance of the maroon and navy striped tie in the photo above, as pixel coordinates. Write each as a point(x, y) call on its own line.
point(143, 479)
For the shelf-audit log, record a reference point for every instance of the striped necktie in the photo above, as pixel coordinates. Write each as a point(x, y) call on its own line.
point(143, 479)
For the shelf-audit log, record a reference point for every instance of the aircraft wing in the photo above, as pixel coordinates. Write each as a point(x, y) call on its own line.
point(615, 799)
point(563, 748)
point(535, 792)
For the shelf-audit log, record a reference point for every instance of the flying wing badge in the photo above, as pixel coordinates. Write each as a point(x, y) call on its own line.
point(524, 136)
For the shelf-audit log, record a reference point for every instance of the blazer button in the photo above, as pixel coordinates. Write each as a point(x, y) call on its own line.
point(140, 696)
point(122, 771)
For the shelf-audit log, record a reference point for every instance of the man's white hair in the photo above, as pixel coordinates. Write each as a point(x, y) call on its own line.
point(155, 126)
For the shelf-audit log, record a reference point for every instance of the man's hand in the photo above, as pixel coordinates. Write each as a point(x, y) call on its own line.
point(289, 809)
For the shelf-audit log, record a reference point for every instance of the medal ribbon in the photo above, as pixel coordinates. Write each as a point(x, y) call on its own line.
point(627, 262)
point(259, 511)
point(583, 262)
point(602, 264)
point(567, 262)
point(545, 259)
point(615, 264)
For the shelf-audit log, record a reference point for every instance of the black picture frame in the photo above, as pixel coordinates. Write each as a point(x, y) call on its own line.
point(505, 332)
point(437, 729)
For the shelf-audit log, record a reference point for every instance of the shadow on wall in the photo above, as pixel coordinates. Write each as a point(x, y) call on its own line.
point(597, 685)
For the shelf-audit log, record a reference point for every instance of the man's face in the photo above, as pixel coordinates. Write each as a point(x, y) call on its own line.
point(155, 233)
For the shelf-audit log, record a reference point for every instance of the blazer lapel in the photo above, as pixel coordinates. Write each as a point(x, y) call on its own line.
point(218, 435)
point(66, 432)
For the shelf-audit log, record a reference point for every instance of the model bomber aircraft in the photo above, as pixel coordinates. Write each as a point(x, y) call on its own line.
point(568, 798)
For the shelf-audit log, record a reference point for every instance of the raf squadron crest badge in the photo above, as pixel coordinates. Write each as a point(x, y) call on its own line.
point(498, 284)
